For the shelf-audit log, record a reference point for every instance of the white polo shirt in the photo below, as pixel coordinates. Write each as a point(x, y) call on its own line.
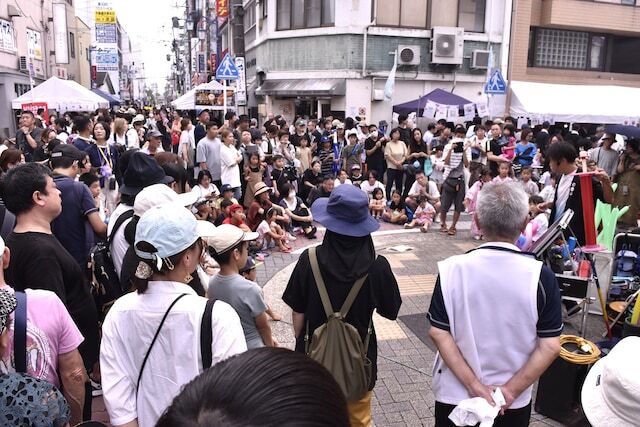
point(175, 359)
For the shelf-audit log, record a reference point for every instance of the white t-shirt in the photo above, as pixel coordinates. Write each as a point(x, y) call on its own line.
point(229, 169)
point(337, 182)
point(129, 139)
point(431, 188)
point(205, 192)
point(564, 188)
point(175, 359)
point(368, 188)
point(119, 244)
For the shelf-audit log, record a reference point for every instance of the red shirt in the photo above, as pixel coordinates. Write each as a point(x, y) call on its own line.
point(230, 221)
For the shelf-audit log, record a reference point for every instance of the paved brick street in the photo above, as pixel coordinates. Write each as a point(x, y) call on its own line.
point(403, 395)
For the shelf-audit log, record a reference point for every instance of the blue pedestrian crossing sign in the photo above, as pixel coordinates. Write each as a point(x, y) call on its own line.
point(227, 69)
point(496, 84)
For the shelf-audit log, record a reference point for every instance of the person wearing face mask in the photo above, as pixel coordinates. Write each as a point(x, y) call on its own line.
point(295, 208)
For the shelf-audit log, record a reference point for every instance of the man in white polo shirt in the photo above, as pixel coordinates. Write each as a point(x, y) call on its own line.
point(495, 315)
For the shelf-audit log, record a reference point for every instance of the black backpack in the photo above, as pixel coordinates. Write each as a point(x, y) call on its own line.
point(105, 283)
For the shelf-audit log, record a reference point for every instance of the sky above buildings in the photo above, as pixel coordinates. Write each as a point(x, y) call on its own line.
point(148, 23)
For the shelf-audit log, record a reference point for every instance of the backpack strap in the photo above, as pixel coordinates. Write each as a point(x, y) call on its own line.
point(8, 222)
point(353, 293)
point(206, 339)
point(322, 289)
point(153, 341)
point(20, 333)
point(121, 219)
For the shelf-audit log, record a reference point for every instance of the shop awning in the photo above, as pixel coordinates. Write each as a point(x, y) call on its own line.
point(575, 103)
point(311, 87)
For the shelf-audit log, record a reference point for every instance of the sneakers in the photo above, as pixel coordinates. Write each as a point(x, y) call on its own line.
point(291, 238)
point(96, 388)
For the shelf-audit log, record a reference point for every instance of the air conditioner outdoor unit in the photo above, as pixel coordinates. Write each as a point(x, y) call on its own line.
point(480, 59)
point(408, 55)
point(23, 65)
point(447, 45)
point(378, 95)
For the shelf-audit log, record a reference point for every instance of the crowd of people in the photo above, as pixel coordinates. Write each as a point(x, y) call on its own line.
point(183, 210)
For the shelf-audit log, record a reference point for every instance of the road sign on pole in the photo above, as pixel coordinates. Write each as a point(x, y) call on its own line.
point(227, 69)
point(496, 84)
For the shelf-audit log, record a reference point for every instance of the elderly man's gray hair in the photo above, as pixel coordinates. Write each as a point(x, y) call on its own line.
point(501, 210)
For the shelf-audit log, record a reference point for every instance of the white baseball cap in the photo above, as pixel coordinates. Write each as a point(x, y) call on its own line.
point(170, 229)
point(158, 195)
point(227, 236)
point(611, 391)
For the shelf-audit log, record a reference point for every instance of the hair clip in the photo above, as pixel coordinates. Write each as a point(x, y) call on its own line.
point(143, 271)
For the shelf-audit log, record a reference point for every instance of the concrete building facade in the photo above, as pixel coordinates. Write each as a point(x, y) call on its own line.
point(575, 42)
point(41, 36)
point(316, 57)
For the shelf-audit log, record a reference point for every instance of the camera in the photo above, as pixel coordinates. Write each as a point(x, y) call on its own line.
point(458, 147)
point(290, 172)
point(112, 183)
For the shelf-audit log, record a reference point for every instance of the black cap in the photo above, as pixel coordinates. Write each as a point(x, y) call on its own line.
point(142, 171)
point(69, 151)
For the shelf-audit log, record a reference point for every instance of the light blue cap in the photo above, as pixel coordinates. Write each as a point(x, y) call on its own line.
point(171, 229)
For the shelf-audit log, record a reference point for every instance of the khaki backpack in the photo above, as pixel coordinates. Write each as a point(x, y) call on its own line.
point(336, 344)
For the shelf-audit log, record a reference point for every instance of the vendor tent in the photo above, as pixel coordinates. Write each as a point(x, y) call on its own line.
point(438, 96)
point(575, 103)
point(113, 99)
point(188, 100)
point(62, 95)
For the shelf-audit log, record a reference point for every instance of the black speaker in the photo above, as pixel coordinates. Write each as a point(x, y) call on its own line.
point(558, 395)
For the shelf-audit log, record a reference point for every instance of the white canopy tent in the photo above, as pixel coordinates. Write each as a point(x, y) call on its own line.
point(188, 100)
point(575, 103)
point(62, 95)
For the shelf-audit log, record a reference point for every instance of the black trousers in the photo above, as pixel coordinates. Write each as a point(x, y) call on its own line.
point(394, 176)
point(511, 418)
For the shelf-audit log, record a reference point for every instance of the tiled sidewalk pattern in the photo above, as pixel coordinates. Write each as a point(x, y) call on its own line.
point(402, 396)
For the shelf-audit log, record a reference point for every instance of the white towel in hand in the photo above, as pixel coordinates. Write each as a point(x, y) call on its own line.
point(470, 412)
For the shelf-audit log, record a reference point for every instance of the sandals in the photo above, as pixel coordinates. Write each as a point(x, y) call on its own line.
point(443, 228)
point(423, 229)
point(452, 231)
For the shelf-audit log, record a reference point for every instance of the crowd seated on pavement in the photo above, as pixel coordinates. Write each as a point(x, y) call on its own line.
point(180, 204)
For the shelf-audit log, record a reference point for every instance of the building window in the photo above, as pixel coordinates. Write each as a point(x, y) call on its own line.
point(264, 9)
point(297, 14)
point(471, 15)
point(574, 50)
point(72, 45)
point(21, 89)
point(249, 20)
point(402, 13)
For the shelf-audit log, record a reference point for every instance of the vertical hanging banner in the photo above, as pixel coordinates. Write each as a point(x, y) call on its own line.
point(483, 109)
point(241, 83)
point(452, 112)
point(60, 39)
point(441, 112)
point(469, 111)
point(222, 8)
point(429, 110)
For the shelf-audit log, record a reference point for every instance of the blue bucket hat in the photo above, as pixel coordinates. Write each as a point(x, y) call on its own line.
point(345, 212)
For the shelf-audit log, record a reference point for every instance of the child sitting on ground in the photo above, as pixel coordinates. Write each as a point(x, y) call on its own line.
point(237, 217)
point(377, 203)
point(504, 170)
point(249, 272)
point(423, 215)
point(530, 187)
point(204, 210)
point(471, 199)
point(271, 234)
point(223, 212)
point(395, 213)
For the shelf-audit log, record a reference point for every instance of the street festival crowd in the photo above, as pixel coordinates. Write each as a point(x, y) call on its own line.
point(170, 217)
